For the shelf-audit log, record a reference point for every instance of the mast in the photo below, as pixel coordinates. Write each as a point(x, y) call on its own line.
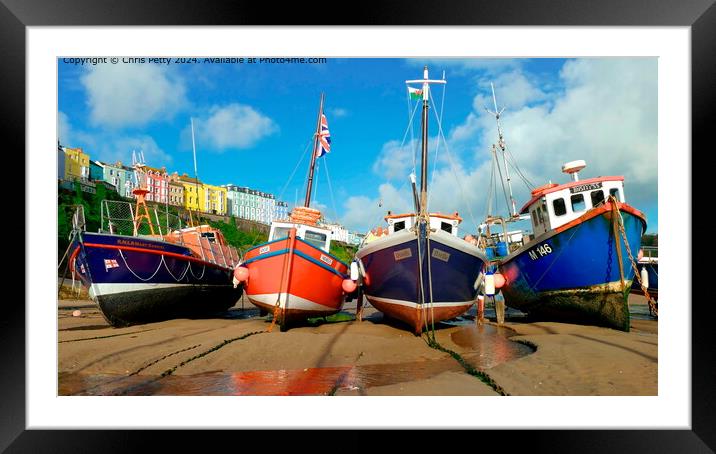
point(424, 156)
point(425, 81)
point(316, 139)
point(501, 144)
point(196, 174)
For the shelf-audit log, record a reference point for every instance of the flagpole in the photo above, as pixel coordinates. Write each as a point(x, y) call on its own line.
point(196, 174)
point(316, 140)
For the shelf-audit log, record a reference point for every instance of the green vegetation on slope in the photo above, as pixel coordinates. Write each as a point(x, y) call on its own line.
point(240, 239)
point(343, 251)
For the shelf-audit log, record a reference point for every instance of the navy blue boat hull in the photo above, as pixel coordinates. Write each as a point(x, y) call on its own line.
point(653, 288)
point(574, 274)
point(392, 283)
point(136, 280)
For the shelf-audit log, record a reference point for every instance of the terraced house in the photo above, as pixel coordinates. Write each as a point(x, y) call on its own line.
point(117, 174)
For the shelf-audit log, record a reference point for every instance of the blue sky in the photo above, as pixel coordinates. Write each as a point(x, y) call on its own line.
point(254, 121)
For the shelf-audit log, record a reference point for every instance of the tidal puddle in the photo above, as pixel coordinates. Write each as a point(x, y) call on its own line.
point(488, 345)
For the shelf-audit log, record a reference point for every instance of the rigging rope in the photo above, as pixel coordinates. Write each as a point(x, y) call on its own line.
point(412, 133)
point(513, 162)
point(437, 145)
point(330, 190)
point(462, 191)
point(285, 186)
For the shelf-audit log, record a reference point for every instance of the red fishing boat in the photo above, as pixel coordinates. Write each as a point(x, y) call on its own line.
point(293, 275)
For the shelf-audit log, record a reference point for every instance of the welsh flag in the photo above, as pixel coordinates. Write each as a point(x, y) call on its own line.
point(415, 93)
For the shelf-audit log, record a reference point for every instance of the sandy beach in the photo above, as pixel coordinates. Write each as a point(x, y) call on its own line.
point(233, 354)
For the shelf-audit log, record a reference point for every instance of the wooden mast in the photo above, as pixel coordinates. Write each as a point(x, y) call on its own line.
point(316, 141)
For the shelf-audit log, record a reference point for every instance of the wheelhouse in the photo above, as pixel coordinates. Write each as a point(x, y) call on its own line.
point(554, 205)
point(447, 223)
point(314, 235)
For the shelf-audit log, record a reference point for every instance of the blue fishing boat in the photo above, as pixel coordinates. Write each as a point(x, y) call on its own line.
point(420, 272)
point(577, 265)
point(140, 271)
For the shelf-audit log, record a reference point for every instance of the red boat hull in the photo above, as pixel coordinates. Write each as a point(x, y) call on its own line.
point(302, 280)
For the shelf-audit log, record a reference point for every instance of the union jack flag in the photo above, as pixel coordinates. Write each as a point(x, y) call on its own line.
point(324, 138)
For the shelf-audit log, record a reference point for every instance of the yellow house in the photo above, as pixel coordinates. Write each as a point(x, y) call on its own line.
point(77, 166)
point(194, 193)
point(214, 199)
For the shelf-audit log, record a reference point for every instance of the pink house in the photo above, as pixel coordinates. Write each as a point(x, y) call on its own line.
point(157, 184)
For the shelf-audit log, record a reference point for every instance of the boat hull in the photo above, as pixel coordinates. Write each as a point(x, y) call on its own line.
point(302, 280)
point(573, 273)
point(392, 277)
point(653, 269)
point(137, 280)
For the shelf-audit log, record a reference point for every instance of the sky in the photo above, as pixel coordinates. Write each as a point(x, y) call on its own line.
point(254, 122)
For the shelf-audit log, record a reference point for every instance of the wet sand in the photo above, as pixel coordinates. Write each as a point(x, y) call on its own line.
point(232, 354)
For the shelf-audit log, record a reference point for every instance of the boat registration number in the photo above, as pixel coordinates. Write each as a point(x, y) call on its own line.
point(540, 251)
point(402, 254)
point(326, 259)
point(264, 249)
point(441, 255)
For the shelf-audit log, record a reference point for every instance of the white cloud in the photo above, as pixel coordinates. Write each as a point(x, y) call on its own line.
point(337, 112)
point(465, 65)
point(395, 162)
point(64, 128)
point(231, 126)
point(132, 95)
point(515, 91)
point(362, 213)
point(112, 147)
point(606, 114)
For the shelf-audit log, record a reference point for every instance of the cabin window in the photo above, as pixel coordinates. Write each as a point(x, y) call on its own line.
point(398, 226)
point(597, 197)
point(209, 236)
point(315, 239)
point(534, 218)
point(578, 202)
point(615, 193)
point(280, 232)
point(539, 215)
point(446, 226)
point(560, 209)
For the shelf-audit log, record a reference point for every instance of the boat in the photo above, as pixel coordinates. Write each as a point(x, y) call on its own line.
point(420, 271)
point(137, 271)
point(577, 264)
point(648, 266)
point(293, 276)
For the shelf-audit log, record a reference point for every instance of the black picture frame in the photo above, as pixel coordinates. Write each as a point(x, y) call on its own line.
point(699, 15)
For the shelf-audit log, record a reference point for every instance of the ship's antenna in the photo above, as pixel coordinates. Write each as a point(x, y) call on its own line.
point(501, 144)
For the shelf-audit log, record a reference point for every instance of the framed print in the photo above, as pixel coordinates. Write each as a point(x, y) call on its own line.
point(57, 61)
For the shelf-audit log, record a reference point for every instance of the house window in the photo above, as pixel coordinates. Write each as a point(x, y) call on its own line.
point(597, 197)
point(560, 209)
point(578, 203)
